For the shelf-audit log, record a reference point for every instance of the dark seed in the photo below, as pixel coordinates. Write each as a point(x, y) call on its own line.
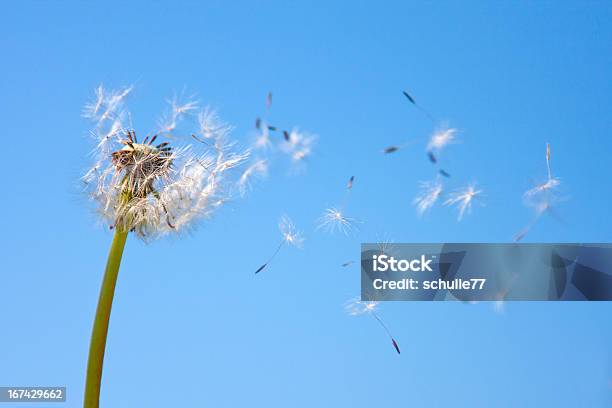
point(410, 98)
point(390, 149)
point(396, 346)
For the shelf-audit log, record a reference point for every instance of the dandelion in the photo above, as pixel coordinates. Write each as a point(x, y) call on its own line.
point(463, 200)
point(356, 307)
point(333, 220)
point(430, 193)
point(290, 236)
point(149, 187)
point(258, 169)
point(347, 263)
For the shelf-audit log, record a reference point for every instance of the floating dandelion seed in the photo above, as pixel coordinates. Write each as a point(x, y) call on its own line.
point(390, 149)
point(413, 101)
point(430, 193)
point(334, 220)
point(350, 182)
point(432, 158)
point(291, 236)
point(541, 198)
point(444, 173)
point(410, 98)
point(348, 263)
point(258, 169)
point(299, 146)
point(286, 135)
point(356, 307)
point(548, 185)
point(463, 200)
point(440, 139)
point(551, 182)
point(262, 140)
point(395, 148)
point(385, 244)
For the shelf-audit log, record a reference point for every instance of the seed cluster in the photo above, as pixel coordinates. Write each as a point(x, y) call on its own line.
point(142, 164)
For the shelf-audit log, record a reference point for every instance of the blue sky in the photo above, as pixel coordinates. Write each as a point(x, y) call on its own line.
point(191, 324)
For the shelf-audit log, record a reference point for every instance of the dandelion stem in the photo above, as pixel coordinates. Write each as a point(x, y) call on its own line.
point(100, 327)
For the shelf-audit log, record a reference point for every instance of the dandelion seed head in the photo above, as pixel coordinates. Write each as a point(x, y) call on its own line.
point(429, 195)
point(463, 199)
point(333, 220)
point(152, 186)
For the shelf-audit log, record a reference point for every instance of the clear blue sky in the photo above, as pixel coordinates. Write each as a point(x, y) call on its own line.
point(191, 325)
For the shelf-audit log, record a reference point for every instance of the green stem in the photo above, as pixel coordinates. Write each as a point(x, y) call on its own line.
point(100, 327)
